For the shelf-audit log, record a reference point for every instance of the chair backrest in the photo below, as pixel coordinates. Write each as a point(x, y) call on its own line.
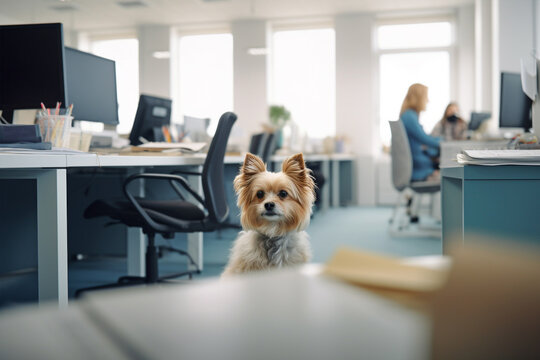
point(402, 163)
point(256, 145)
point(262, 145)
point(269, 147)
point(212, 175)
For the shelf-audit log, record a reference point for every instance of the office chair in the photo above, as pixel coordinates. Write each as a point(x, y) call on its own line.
point(262, 145)
point(408, 202)
point(167, 217)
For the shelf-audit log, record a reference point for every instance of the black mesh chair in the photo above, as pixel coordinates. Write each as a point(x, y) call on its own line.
point(262, 145)
point(167, 217)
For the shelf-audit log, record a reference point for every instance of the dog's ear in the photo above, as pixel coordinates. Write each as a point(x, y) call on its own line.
point(294, 167)
point(252, 165)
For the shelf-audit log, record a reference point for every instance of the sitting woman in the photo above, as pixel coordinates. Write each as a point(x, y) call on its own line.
point(423, 146)
point(451, 126)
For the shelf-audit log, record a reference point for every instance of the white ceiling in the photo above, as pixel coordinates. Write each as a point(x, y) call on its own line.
point(108, 14)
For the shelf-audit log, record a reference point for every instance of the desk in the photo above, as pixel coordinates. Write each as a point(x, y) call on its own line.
point(490, 201)
point(449, 149)
point(285, 314)
point(49, 172)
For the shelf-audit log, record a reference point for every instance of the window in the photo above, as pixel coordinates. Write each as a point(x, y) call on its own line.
point(206, 77)
point(413, 53)
point(125, 52)
point(303, 78)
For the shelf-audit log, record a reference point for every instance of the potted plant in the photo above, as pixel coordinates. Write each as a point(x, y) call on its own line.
point(279, 116)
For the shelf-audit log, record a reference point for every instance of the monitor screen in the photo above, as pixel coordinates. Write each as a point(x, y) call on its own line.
point(515, 106)
point(31, 66)
point(477, 118)
point(91, 85)
point(152, 113)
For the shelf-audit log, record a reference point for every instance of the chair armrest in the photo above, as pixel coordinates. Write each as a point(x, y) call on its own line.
point(186, 172)
point(173, 180)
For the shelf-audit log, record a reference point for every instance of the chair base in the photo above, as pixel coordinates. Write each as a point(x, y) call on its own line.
point(405, 219)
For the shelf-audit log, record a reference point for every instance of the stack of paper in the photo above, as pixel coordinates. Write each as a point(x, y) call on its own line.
point(499, 157)
point(166, 146)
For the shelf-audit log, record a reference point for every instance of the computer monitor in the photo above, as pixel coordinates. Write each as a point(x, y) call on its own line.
point(515, 106)
point(31, 67)
point(152, 114)
point(91, 84)
point(477, 118)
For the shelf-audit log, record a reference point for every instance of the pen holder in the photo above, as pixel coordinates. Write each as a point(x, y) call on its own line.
point(56, 129)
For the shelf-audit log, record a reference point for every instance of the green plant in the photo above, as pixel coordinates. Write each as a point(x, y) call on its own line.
point(279, 115)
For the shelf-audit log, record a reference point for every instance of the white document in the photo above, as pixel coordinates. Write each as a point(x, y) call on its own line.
point(499, 157)
point(161, 146)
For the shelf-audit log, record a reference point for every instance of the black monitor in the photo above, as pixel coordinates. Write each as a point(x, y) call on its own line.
point(31, 67)
point(91, 83)
point(477, 118)
point(515, 106)
point(152, 114)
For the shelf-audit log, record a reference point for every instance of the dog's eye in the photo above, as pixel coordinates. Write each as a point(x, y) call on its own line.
point(282, 194)
point(260, 194)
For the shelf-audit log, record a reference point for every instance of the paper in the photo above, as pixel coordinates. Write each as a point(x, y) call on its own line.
point(528, 77)
point(161, 146)
point(499, 157)
point(376, 271)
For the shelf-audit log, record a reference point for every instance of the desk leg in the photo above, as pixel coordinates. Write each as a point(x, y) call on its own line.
point(136, 241)
point(335, 183)
point(325, 192)
point(195, 240)
point(52, 235)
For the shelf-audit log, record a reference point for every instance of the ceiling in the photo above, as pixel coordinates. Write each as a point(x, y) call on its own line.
point(83, 15)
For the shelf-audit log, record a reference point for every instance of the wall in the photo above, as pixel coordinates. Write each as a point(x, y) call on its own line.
point(250, 79)
point(356, 97)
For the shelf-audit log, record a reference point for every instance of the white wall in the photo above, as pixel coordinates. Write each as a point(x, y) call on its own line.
point(250, 78)
point(465, 60)
point(154, 74)
point(356, 97)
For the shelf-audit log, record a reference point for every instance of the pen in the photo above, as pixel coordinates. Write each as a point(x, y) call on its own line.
point(57, 109)
point(69, 110)
point(44, 108)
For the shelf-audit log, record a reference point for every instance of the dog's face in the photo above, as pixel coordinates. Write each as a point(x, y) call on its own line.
point(275, 203)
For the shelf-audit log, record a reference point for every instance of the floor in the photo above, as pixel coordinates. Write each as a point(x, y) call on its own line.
point(357, 227)
point(363, 228)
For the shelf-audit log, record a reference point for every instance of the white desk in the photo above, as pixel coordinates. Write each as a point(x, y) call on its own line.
point(283, 314)
point(49, 171)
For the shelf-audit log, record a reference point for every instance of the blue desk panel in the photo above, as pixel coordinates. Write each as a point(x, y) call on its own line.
point(492, 202)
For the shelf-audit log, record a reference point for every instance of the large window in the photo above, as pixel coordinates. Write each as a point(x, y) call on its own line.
point(413, 53)
point(206, 76)
point(125, 52)
point(303, 78)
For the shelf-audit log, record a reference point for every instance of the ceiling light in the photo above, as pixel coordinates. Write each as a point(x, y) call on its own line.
point(161, 55)
point(257, 51)
point(131, 4)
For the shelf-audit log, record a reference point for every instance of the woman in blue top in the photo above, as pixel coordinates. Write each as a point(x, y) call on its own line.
point(423, 146)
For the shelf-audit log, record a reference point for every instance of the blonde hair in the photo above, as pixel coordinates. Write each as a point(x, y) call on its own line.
point(415, 99)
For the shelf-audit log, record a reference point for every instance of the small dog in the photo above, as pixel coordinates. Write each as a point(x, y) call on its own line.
point(275, 210)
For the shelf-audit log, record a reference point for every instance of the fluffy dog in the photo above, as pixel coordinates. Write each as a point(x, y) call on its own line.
point(275, 210)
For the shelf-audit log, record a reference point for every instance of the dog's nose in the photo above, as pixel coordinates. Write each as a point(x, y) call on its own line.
point(269, 206)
